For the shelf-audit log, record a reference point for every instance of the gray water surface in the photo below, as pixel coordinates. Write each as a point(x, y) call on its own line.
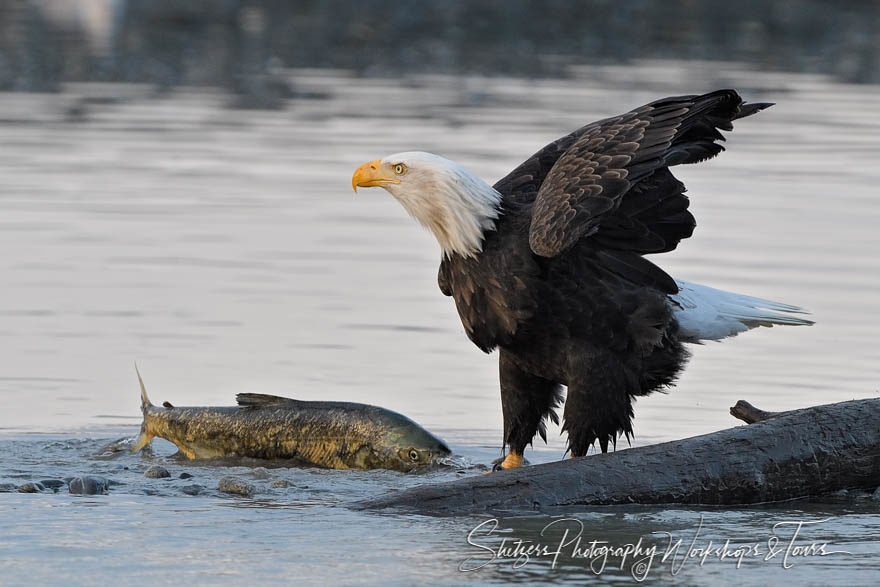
point(224, 251)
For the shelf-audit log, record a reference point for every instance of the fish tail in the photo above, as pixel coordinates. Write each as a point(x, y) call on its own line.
point(145, 435)
point(145, 401)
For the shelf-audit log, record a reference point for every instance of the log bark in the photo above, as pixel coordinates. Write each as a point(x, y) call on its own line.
point(794, 454)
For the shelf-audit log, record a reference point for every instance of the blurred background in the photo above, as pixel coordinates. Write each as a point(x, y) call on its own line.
point(175, 190)
point(248, 47)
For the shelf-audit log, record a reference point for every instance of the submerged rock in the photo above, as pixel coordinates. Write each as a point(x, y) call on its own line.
point(280, 484)
point(185, 476)
point(156, 472)
point(235, 486)
point(32, 487)
point(192, 489)
point(88, 485)
point(8, 487)
point(53, 484)
point(260, 473)
point(115, 448)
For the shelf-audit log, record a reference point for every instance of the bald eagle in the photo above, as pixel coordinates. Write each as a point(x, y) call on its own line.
point(548, 265)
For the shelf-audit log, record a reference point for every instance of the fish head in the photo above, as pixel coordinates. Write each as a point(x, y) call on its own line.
point(413, 448)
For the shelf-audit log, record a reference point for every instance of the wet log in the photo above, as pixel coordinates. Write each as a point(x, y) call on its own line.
point(788, 455)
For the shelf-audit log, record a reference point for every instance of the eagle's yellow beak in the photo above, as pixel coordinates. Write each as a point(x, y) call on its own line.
point(372, 174)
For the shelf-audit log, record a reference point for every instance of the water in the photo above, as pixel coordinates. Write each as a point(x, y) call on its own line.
point(224, 251)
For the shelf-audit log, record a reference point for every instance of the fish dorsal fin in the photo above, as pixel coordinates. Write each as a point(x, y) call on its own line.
point(255, 400)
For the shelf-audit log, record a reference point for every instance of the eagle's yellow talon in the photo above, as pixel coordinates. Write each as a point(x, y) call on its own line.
point(511, 461)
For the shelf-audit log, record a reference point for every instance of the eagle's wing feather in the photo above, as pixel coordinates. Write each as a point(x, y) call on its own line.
point(589, 181)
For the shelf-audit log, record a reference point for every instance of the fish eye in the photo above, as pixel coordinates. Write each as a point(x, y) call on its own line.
point(400, 169)
point(413, 454)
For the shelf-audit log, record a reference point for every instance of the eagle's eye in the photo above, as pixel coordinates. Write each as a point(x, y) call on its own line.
point(399, 169)
point(414, 454)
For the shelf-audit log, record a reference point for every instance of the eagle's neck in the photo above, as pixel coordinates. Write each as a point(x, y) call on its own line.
point(457, 206)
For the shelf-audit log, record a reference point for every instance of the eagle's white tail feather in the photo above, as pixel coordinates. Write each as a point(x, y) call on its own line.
point(706, 313)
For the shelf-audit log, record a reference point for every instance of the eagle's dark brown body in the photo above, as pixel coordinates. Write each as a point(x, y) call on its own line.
point(561, 286)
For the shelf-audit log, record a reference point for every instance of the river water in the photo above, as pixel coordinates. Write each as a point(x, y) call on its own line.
point(223, 250)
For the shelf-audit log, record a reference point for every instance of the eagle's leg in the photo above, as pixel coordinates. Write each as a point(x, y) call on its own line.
point(526, 400)
point(599, 406)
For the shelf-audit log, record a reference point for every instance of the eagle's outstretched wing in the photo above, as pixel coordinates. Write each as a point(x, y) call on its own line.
point(585, 190)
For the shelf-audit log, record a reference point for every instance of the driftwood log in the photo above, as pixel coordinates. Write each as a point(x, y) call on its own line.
point(749, 414)
point(786, 456)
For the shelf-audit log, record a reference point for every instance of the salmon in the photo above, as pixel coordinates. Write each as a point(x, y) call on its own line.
point(336, 435)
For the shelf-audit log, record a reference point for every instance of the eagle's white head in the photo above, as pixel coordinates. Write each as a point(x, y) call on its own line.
point(455, 204)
